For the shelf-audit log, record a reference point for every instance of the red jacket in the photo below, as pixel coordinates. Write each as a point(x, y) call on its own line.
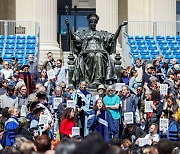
point(66, 127)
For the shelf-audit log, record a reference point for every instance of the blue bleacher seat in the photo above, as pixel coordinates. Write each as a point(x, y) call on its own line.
point(21, 37)
point(134, 52)
point(7, 56)
point(1, 37)
point(30, 51)
point(150, 42)
point(145, 57)
point(11, 37)
point(19, 51)
point(153, 56)
point(170, 38)
point(9, 51)
point(177, 56)
point(133, 47)
point(9, 46)
point(131, 42)
point(1, 41)
point(159, 37)
point(135, 56)
point(141, 42)
point(144, 52)
point(20, 46)
point(20, 41)
point(172, 43)
point(139, 38)
point(1, 46)
point(142, 47)
point(31, 37)
point(175, 47)
point(20, 62)
point(164, 47)
point(177, 38)
point(10, 41)
point(154, 52)
point(166, 52)
point(130, 37)
point(176, 52)
point(161, 42)
point(178, 61)
point(148, 38)
point(152, 47)
point(30, 46)
point(19, 56)
point(168, 57)
point(31, 41)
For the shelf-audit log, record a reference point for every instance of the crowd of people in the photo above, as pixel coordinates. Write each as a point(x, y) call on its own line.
point(35, 116)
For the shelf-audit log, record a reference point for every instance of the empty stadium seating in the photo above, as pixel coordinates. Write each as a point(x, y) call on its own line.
point(148, 47)
point(18, 46)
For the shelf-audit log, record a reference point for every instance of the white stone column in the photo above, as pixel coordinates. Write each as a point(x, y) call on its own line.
point(107, 10)
point(46, 15)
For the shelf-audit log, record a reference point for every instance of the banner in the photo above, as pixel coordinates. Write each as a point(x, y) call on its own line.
point(128, 117)
point(148, 107)
point(75, 131)
point(51, 74)
point(163, 124)
point(56, 102)
point(163, 89)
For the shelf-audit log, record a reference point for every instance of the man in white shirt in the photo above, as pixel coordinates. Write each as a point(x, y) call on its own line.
point(140, 70)
point(153, 135)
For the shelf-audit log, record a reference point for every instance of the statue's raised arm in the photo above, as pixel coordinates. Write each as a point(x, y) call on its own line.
point(119, 30)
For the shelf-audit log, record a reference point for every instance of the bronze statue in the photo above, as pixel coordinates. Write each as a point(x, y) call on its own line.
point(93, 49)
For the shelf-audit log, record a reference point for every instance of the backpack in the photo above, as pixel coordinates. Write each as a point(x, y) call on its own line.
point(172, 132)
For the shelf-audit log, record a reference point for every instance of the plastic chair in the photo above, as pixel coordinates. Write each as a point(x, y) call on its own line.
point(139, 38)
point(20, 41)
point(148, 38)
point(174, 47)
point(154, 52)
point(31, 37)
point(145, 57)
point(7, 56)
point(130, 37)
point(150, 42)
point(166, 52)
point(144, 52)
point(133, 47)
point(31, 41)
point(176, 52)
point(159, 37)
point(30, 51)
point(9, 46)
point(1, 41)
point(19, 56)
point(152, 47)
point(21, 37)
point(1, 37)
point(1, 46)
point(161, 42)
point(164, 47)
point(170, 38)
point(10, 41)
point(20, 46)
point(11, 37)
point(172, 43)
point(9, 51)
point(30, 46)
point(169, 57)
point(20, 62)
point(19, 51)
point(142, 47)
point(141, 42)
point(177, 38)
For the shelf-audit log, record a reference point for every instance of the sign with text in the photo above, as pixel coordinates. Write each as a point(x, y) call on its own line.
point(163, 89)
point(75, 131)
point(71, 104)
point(144, 141)
point(148, 107)
point(43, 120)
point(163, 124)
point(118, 86)
point(128, 117)
point(56, 102)
point(51, 74)
point(23, 111)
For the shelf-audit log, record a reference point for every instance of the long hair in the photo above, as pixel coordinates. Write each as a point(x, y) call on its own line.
point(95, 105)
point(66, 114)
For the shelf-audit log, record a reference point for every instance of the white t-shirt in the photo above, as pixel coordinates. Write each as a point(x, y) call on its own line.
point(7, 73)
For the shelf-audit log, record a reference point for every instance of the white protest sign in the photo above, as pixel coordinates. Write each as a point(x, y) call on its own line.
point(118, 86)
point(163, 124)
point(144, 141)
point(56, 102)
point(71, 104)
point(43, 120)
point(23, 111)
point(163, 89)
point(75, 131)
point(51, 74)
point(148, 107)
point(128, 117)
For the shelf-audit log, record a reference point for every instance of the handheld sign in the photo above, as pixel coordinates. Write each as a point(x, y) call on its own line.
point(128, 117)
point(23, 111)
point(56, 102)
point(163, 124)
point(43, 120)
point(118, 86)
point(163, 89)
point(71, 104)
point(148, 107)
point(75, 131)
point(144, 141)
point(51, 74)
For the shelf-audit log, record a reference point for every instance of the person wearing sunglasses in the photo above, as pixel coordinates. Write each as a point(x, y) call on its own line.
point(112, 103)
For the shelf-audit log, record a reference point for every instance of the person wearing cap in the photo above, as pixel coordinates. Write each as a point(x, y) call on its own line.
point(112, 103)
point(9, 99)
point(6, 70)
point(101, 94)
point(28, 78)
point(16, 81)
point(82, 98)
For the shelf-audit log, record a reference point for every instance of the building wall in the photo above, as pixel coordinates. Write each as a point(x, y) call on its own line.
point(84, 3)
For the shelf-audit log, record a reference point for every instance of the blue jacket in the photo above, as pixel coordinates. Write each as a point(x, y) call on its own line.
point(130, 103)
point(102, 124)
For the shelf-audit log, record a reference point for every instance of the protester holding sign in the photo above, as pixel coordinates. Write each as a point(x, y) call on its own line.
point(67, 122)
point(101, 121)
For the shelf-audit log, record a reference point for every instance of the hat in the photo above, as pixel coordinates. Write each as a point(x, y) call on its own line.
point(38, 109)
point(22, 120)
point(25, 65)
point(101, 86)
point(10, 87)
point(153, 67)
point(40, 95)
point(16, 75)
